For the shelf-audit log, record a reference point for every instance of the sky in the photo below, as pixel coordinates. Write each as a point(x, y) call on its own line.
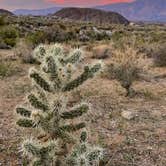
point(38, 4)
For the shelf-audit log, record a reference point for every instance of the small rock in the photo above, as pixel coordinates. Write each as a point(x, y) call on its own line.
point(128, 115)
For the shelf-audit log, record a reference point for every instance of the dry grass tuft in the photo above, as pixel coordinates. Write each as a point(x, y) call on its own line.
point(127, 66)
point(160, 56)
point(102, 52)
point(24, 51)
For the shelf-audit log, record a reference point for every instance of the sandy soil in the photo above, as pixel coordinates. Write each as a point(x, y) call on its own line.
point(139, 141)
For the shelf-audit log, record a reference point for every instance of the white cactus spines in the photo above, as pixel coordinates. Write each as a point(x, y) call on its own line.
point(39, 52)
point(48, 112)
point(42, 154)
point(84, 154)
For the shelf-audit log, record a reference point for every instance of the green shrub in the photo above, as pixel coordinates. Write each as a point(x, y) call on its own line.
point(160, 56)
point(9, 35)
point(36, 38)
point(2, 20)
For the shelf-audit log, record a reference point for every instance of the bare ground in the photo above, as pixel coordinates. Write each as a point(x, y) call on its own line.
point(139, 141)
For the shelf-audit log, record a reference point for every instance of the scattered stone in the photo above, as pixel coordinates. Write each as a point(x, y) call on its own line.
point(128, 115)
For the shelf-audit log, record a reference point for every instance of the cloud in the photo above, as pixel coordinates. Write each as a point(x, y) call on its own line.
point(28, 4)
point(37, 4)
point(86, 2)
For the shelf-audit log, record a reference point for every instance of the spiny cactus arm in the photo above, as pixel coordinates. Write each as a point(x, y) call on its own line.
point(75, 57)
point(65, 136)
point(94, 69)
point(52, 146)
point(42, 95)
point(72, 128)
point(78, 153)
point(36, 103)
point(76, 111)
point(27, 123)
point(89, 72)
point(95, 155)
point(38, 163)
point(50, 65)
point(39, 52)
point(31, 148)
point(39, 80)
point(55, 50)
point(84, 136)
point(23, 111)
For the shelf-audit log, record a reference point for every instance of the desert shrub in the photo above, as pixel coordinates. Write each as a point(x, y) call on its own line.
point(49, 113)
point(3, 45)
point(147, 49)
point(97, 36)
point(160, 55)
point(6, 69)
point(101, 52)
point(50, 35)
point(24, 51)
point(117, 35)
point(2, 20)
point(127, 66)
point(62, 26)
point(35, 38)
point(9, 35)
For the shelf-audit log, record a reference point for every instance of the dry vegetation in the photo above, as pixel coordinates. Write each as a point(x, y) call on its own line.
point(132, 129)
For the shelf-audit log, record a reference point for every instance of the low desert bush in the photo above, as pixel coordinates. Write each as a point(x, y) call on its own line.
point(35, 38)
point(9, 35)
point(6, 69)
point(126, 66)
point(2, 20)
point(101, 52)
point(24, 51)
point(160, 56)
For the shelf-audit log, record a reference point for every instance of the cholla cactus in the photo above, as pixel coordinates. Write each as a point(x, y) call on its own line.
point(84, 154)
point(47, 111)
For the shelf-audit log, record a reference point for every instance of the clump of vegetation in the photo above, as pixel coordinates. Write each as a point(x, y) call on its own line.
point(2, 20)
point(35, 38)
point(24, 51)
point(160, 56)
point(126, 67)
point(6, 69)
point(101, 52)
point(84, 154)
point(49, 113)
point(9, 35)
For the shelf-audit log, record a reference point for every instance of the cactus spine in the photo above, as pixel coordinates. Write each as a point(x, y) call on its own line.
point(48, 112)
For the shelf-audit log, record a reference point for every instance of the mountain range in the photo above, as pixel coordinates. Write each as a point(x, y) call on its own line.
point(38, 12)
point(5, 12)
point(138, 10)
point(92, 15)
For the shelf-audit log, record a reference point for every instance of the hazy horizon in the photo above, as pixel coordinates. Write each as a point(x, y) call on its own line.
point(42, 4)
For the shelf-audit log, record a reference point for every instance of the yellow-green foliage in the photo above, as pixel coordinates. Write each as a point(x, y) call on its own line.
point(9, 35)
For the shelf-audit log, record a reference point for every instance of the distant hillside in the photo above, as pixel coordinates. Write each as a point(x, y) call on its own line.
point(39, 12)
point(140, 10)
point(5, 12)
point(91, 15)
